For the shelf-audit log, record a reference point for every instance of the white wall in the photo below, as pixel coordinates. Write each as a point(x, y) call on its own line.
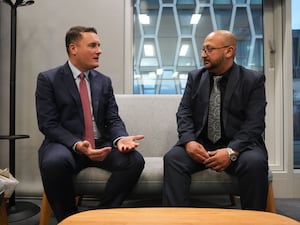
point(41, 31)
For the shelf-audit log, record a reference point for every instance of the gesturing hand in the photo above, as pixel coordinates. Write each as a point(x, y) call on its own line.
point(127, 144)
point(85, 147)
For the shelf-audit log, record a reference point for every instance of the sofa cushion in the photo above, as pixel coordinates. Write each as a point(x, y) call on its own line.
point(155, 117)
point(91, 181)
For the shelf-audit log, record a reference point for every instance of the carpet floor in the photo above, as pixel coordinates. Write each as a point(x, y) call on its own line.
point(284, 206)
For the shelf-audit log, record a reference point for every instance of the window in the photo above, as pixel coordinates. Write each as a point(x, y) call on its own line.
point(296, 80)
point(168, 37)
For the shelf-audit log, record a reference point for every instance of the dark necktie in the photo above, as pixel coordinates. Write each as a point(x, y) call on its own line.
point(214, 112)
point(87, 113)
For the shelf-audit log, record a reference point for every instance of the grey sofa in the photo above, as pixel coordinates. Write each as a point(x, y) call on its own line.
point(154, 116)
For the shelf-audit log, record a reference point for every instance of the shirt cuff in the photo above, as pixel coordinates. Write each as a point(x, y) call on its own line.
point(116, 141)
point(74, 148)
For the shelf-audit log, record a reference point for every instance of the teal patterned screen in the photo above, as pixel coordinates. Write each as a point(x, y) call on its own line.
point(167, 43)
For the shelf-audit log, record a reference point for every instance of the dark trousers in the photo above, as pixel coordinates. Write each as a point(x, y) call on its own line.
point(251, 168)
point(59, 164)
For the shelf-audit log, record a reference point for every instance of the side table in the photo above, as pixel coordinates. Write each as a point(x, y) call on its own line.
point(177, 216)
point(3, 213)
point(17, 210)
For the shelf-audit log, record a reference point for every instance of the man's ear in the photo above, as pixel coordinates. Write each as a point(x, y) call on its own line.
point(229, 51)
point(72, 49)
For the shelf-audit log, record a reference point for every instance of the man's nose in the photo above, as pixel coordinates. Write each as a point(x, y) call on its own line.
point(99, 50)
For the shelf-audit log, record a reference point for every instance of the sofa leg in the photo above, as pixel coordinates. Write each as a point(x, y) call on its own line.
point(232, 200)
point(46, 211)
point(3, 213)
point(270, 200)
point(78, 200)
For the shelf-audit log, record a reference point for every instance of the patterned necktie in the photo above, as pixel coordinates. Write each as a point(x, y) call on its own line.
point(214, 112)
point(87, 113)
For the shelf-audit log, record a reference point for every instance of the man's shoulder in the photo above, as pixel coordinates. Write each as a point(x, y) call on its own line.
point(247, 75)
point(56, 70)
point(197, 72)
point(248, 71)
point(95, 74)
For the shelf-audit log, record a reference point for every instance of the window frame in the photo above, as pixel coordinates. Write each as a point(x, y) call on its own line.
point(279, 86)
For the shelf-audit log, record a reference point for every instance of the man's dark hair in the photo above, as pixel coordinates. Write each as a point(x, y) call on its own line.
point(74, 34)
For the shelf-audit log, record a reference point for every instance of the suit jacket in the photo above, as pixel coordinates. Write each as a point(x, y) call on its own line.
point(243, 108)
point(59, 109)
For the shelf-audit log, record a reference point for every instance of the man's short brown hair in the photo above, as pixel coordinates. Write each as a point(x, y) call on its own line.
point(74, 34)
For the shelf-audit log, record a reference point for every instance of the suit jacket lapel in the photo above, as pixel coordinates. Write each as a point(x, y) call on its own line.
point(95, 92)
point(204, 85)
point(68, 79)
point(203, 89)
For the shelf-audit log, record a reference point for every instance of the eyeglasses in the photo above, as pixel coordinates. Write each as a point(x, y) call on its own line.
point(209, 50)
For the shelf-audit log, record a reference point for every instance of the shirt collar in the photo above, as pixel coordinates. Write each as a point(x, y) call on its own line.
point(225, 76)
point(76, 71)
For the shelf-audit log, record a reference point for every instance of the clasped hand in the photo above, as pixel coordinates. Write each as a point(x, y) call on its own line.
point(217, 160)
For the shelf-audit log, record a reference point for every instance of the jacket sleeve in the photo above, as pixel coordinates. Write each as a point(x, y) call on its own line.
point(247, 119)
point(184, 115)
point(48, 115)
point(114, 125)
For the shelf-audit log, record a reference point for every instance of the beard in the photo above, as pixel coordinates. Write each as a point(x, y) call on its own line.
point(212, 66)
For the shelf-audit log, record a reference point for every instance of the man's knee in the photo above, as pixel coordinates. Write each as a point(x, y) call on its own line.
point(174, 154)
point(139, 161)
point(254, 161)
point(56, 157)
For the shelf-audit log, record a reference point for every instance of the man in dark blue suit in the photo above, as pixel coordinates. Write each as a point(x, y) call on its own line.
point(237, 146)
point(65, 151)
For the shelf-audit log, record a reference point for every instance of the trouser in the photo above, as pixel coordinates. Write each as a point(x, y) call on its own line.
point(59, 164)
point(251, 168)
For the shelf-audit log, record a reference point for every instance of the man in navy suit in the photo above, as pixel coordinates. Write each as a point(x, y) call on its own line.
point(64, 151)
point(240, 148)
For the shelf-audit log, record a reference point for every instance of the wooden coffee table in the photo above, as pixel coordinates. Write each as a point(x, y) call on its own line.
point(176, 216)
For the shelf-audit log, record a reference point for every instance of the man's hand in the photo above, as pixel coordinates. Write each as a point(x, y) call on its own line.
point(85, 148)
point(127, 144)
point(196, 151)
point(218, 160)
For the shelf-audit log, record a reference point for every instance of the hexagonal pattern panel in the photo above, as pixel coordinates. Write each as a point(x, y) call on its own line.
point(168, 44)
